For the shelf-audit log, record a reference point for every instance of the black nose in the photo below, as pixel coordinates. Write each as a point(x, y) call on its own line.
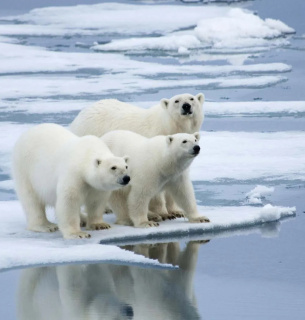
point(127, 311)
point(126, 179)
point(196, 149)
point(186, 107)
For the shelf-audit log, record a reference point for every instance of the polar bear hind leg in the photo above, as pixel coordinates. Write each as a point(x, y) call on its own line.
point(34, 209)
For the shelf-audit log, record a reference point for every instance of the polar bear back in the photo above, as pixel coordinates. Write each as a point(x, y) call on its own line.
point(111, 114)
point(162, 119)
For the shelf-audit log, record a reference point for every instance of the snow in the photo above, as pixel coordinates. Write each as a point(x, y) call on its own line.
point(111, 84)
point(255, 195)
point(16, 58)
point(50, 248)
point(244, 156)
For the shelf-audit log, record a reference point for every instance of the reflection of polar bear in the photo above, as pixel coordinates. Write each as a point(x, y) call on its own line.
point(108, 292)
point(156, 164)
point(181, 113)
point(53, 167)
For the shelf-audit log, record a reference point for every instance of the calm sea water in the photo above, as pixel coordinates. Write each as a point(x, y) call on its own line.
point(255, 275)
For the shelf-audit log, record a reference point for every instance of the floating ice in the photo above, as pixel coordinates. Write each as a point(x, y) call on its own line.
point(255, 195)
point(219, 27)
point(21, 248)
point(19, 58)
point(48, 86)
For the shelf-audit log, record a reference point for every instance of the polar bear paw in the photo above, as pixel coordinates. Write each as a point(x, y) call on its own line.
point(147, 224)
point(177, 213)
point(152, 216)
point(199, 219)
point(48, 227)
point(77, 235)
point(99, 226)
point(108, 210)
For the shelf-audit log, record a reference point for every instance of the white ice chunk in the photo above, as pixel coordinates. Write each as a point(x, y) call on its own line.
point(255, 195)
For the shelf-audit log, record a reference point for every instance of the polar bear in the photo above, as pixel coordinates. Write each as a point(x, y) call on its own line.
point(182, 113)
point(54, 167)
point(156, 164)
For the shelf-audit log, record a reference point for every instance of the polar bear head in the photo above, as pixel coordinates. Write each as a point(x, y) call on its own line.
point(184, 105)
point(184, 145)
point(108, 173)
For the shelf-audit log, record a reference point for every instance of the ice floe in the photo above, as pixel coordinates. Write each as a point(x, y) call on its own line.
point(203, 26)
point(110, 84)
point(255, 195)
point(20, 248)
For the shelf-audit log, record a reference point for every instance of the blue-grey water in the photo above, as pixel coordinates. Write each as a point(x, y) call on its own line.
point(258, 274)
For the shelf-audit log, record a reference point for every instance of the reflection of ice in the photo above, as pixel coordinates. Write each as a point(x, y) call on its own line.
point(113, 292)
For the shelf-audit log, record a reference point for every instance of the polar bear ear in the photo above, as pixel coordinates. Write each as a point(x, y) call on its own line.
point(169, 139)
point(197, 135)
point(200, 97)
point(164, 103)
point(98, 162)
point(126, 158)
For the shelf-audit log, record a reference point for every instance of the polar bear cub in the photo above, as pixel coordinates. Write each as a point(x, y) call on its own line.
point(181, 113)
point(54, 167)
point(156, 164)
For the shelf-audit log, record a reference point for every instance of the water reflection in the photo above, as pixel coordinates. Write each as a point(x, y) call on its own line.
point(103, 291)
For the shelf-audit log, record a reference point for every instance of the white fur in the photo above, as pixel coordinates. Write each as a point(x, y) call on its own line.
point(156, 164)
point(163, 119)
point(53, 167)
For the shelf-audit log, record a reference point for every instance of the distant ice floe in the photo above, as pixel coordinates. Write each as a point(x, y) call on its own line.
point(22, 248)
point(255, 195)
point(186, 27)
point(16, 58)
point(109, 84)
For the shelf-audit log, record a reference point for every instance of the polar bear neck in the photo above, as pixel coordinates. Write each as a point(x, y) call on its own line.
point(169, 165)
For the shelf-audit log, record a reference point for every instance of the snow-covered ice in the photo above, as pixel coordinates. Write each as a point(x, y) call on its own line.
point(255, 195)
point(49, 248)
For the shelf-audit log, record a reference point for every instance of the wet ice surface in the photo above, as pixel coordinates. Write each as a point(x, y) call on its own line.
point(253, 135)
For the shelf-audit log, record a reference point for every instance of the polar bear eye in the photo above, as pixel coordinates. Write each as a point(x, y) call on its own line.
point(184, 141)
point(126, 167)
point(176, 101)
point(192, 99)
point(113, 168)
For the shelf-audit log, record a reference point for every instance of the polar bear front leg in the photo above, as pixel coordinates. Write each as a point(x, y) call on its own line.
point(183, 194)
point(95, 205)
point(68, 214)
point(157, 208)
point(172, 208)
point(138, 204)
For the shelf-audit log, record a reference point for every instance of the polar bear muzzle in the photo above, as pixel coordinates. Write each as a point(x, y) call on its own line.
point(125, 180)
point(186, 109)
point(196, 149)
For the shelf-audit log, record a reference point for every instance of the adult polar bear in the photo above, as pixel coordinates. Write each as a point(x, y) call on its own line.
point(54, 167)
point(181, 114)
point(156, 164)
